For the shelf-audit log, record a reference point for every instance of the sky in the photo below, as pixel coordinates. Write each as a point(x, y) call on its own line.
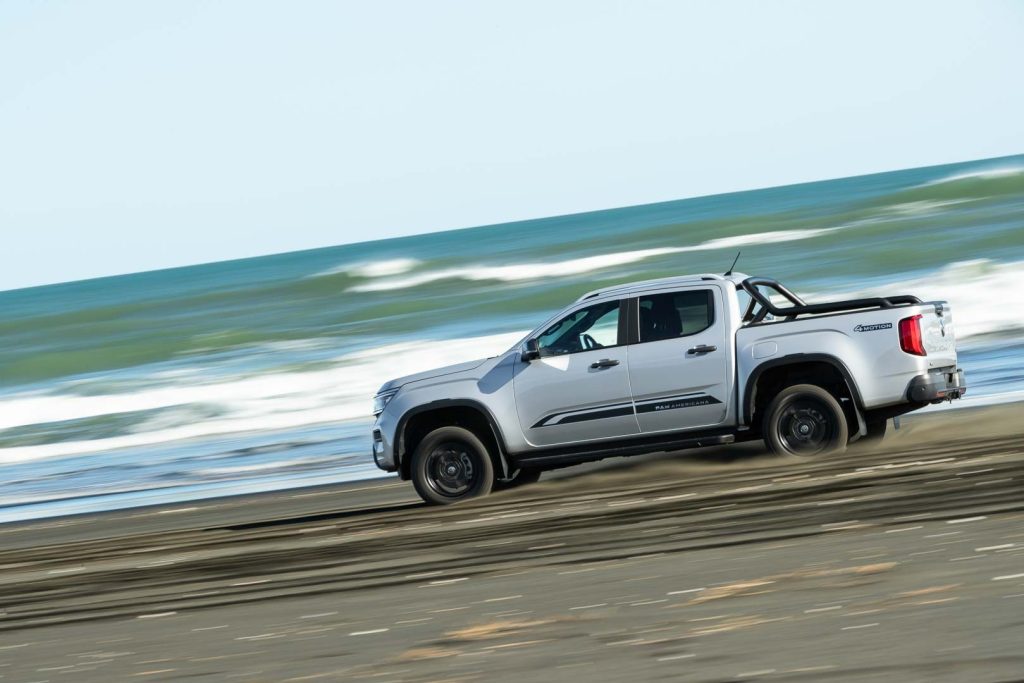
point(142, 135)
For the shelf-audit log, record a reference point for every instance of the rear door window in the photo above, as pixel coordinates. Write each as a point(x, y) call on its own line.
point(676, 314)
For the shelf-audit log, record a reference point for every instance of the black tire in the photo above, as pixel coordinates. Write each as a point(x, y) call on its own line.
point(523, 477)
point(805, 420)
point(451, 465)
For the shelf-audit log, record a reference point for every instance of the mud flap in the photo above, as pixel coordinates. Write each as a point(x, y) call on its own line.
point(862, 425)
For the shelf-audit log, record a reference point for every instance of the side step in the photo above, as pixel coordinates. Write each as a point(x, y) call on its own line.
point(577, 454)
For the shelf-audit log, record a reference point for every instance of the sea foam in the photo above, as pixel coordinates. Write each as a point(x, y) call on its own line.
point(979, 174)
point(975, 289)
point(383, 268)
point(578, 266)
point(261, 402)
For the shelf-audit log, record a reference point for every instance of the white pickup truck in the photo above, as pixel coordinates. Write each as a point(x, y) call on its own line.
point(662, 365)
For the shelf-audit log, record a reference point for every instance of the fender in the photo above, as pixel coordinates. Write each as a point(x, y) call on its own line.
point(798, 359)
point(504, 470)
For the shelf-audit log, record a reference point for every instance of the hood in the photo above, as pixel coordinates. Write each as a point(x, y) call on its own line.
point(431, 374)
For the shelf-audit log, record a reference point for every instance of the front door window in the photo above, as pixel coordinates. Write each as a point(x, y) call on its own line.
point(594, 327)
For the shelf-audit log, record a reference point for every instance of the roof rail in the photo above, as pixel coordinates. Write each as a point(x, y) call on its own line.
point(640, 284)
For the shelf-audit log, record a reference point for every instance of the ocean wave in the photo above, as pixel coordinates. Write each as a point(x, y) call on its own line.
point(971, 287)
point(383, 268)
point(256, 403)
point(761, 238)
point(275, 466)
point(923, 207)
point(578, 266)
point(990, 173)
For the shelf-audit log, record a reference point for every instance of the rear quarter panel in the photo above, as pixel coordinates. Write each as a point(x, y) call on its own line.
point(867, 343)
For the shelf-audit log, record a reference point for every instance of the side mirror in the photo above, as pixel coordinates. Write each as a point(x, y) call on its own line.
point(532, 350)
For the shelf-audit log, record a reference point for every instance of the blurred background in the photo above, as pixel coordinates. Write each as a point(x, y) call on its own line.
point(257, 374)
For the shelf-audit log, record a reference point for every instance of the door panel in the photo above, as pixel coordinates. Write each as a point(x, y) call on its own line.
point(678, 381)
point(562, 399)
point(578, 390)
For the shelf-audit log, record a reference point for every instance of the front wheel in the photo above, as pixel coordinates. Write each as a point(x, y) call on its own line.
point(805, 420)
point(451, 465)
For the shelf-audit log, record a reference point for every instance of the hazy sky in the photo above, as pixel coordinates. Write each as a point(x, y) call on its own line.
point(139, 135)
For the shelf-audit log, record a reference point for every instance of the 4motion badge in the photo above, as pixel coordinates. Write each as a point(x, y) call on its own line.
point(872, 328)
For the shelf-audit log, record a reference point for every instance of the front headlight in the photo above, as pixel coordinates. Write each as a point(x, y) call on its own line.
point(381, 400)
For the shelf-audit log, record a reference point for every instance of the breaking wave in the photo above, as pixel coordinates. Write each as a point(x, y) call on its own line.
point(341, 389)
point(384, 268)
point(992, 173)
point(971, 287)
point(578, 266)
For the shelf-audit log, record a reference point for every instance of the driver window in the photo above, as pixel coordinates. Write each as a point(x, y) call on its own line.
point(594, 327)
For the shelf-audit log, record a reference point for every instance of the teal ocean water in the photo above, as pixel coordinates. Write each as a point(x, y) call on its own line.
point(257, 374)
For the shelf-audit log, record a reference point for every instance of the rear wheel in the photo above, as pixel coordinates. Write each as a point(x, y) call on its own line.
point(451, 465)
point(805, 420)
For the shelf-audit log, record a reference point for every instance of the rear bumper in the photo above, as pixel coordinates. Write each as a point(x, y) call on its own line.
point(935, 387)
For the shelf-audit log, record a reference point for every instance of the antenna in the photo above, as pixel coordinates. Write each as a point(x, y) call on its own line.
point(729, 272)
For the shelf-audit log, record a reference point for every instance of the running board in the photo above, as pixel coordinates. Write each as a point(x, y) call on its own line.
point(572, 455)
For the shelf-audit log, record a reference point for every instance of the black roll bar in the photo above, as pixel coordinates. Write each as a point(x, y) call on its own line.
point(799, 307)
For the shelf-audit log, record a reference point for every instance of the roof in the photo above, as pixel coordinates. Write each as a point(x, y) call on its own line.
point(680, 280)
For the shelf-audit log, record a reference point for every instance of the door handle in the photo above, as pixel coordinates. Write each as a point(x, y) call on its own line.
point(702, 348)
point(604, 363)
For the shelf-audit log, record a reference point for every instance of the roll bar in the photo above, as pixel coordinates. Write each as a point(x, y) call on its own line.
point(799, 307)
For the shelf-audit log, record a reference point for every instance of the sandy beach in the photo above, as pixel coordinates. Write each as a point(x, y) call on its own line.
point(904, 562)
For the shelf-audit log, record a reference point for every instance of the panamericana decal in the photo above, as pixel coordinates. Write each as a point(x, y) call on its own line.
point(623, 409)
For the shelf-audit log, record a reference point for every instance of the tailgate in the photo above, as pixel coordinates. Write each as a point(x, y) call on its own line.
point(937, 334)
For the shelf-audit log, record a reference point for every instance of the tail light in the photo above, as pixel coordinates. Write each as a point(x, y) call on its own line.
point(910, 335)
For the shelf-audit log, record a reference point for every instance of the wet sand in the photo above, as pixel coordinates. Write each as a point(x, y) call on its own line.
point(904, 562)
